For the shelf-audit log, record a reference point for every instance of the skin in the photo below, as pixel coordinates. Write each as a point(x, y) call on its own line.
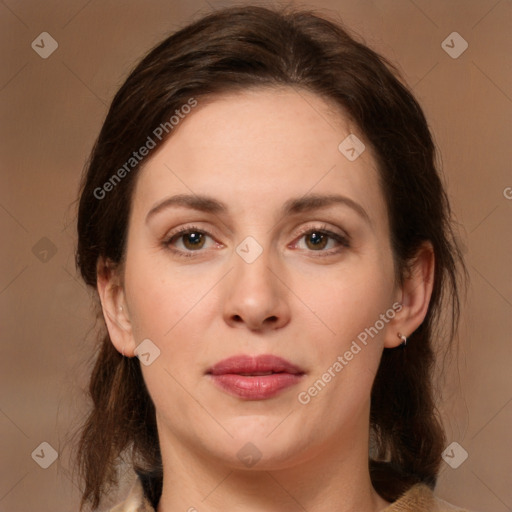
point(254, 151)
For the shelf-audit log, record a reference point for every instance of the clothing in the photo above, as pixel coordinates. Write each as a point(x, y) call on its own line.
point(417, 499)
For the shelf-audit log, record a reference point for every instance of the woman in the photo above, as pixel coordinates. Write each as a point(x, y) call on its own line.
point(269, 238)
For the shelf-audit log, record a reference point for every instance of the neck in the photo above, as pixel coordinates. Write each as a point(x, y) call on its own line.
point(332, 479)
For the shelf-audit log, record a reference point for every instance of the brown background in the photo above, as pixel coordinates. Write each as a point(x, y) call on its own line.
point(52, 111)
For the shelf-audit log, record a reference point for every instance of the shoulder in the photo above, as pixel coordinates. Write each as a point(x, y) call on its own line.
point(420, 498)
point(135, 502)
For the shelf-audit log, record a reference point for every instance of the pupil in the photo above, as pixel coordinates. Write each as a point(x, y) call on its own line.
point(317, 240)
point(193, 239)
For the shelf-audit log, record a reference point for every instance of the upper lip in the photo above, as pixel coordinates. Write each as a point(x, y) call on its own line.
point(254, 365)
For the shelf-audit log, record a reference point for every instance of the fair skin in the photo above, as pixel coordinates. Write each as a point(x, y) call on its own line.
point(307, 303)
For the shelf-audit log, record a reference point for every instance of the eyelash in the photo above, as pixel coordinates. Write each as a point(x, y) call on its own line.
point(342, 240)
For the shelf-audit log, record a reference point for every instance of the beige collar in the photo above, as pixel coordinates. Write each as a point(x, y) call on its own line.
point(418, 498)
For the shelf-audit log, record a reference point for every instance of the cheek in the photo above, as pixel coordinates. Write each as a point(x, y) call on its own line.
point(346, 301)
point(159, 297)
point(346, 357)
point(166, 308)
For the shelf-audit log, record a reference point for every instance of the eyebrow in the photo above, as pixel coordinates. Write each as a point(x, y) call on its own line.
point(303, 204)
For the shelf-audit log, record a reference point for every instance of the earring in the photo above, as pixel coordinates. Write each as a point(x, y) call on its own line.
point(403, 338)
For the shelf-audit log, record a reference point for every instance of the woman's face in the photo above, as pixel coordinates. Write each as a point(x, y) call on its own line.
point(285, 253)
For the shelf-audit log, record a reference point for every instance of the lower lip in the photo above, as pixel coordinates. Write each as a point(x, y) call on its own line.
point(255, 388)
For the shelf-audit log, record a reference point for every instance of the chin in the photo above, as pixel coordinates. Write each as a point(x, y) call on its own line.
point(258, 445)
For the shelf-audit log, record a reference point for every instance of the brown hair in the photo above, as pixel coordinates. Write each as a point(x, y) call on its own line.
point(240, 48)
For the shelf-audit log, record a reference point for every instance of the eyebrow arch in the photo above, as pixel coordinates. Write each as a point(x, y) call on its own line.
point(292, 206)
point(312, 202)
point(193, 202)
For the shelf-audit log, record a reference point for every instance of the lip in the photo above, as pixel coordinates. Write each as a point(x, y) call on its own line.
point(255, 377)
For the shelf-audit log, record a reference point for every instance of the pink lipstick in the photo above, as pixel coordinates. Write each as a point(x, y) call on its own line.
point(255, 377)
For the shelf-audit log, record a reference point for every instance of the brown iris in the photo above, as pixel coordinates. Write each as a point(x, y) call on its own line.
point(193, 240)
point(317, 240)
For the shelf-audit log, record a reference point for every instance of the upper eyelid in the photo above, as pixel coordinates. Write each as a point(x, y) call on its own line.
point(187, 229)
point(324, 228)
point(319, 227)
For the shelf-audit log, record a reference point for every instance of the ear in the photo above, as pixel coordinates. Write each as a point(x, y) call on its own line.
point(415, 293)
point(115, 310)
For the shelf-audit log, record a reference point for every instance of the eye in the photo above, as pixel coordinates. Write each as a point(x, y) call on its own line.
point(187, 239)
point(320, 239)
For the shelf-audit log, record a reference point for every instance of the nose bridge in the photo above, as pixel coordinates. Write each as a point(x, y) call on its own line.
point(255, 296)
point(253, 269)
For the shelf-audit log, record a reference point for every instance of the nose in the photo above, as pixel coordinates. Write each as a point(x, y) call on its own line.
point(255, 297)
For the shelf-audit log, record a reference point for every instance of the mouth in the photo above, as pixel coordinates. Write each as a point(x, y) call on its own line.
point(255, 377)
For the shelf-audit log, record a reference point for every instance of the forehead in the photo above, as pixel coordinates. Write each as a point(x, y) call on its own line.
point(256, 149)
